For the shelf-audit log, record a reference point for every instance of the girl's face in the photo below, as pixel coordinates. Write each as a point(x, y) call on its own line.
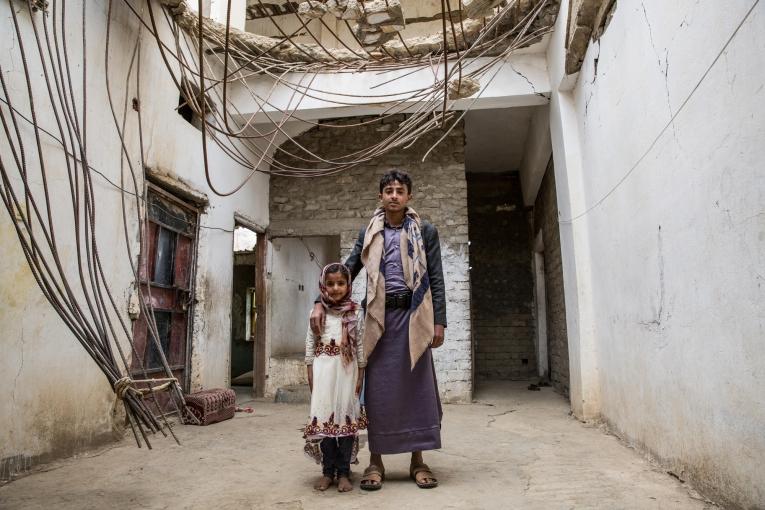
point(337, 285)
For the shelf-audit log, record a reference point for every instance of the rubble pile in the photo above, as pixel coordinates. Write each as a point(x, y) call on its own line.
point(377, 21)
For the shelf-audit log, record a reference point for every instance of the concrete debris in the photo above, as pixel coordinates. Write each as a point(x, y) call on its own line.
point(40, 5)
point(384, 12)
point(462, 88)
point(250, 43)
point(371, 37)
point(336, 7)
point(353, 11)
point(345, 9)
point(475, 9)
point(312, 9)
point(380, 20)
point(392, 28)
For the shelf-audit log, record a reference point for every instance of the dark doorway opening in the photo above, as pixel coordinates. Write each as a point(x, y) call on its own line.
point(550, 298)
point(502, 282)
point(245, 311)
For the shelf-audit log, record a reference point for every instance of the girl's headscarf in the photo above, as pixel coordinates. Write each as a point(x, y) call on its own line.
point(344, 305)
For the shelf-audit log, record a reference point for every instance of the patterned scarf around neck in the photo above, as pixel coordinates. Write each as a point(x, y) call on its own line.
point(347, 307)
point(415, 265)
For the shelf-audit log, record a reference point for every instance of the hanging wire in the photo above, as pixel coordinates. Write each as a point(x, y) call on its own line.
point(203, 60)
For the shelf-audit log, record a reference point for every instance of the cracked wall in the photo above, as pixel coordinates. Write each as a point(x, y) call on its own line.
point(58, 402)
point(669, 108)
point(343, 203)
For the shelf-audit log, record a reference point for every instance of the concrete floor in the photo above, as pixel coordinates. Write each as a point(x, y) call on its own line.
point(512, 448)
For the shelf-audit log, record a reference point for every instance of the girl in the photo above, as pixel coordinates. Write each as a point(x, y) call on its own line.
point(335, 363)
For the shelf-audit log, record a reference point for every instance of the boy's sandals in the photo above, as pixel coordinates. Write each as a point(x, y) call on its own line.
point(424, 482)
point(372, 478)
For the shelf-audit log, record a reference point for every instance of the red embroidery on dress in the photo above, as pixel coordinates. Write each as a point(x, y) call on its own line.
point(332, 429)
point(330, 349)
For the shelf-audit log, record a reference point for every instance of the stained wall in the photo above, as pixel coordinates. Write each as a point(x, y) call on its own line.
point(57, 401)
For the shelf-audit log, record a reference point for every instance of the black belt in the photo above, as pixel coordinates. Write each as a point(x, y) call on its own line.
point(403, 300)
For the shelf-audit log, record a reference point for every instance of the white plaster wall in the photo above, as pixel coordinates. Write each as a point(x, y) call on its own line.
point(58, 401)
point(575, 263)
point(519, 80)
point(294, 278)
point(495, 139)
point(219, 10)
point(669, 114)
point(285, 371)
point(292, 288)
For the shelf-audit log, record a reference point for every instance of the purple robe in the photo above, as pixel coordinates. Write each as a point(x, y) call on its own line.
point(403, 405)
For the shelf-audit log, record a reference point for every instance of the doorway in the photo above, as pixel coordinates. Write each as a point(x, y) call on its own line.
point(248, 318)
point(166, 282)
point(502, 283)
point(244, 310)
point(550, 295)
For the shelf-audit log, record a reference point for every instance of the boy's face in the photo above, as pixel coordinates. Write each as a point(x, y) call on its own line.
point(337, 286)
point(394, 197)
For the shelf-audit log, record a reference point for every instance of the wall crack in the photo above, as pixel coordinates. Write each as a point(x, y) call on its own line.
point(21, 367)
point(661, 316)
point(533, 88)
point(663, 69)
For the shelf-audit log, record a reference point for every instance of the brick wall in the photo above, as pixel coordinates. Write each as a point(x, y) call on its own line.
point(500, 257)
point(546, 218)
point(343, 203)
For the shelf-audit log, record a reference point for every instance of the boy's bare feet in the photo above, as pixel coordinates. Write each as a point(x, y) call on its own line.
point(344, 484)
point(323, 484)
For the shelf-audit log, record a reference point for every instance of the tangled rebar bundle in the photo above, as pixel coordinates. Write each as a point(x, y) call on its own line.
point(231, 57)
point(205, 59)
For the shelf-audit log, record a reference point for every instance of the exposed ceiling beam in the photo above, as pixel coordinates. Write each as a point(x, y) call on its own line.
point(265, 10)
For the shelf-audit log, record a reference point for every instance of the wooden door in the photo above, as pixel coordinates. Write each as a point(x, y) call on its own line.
point(259, 363)
point(166, 274)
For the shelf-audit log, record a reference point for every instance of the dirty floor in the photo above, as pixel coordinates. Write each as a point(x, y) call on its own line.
point(512, 448)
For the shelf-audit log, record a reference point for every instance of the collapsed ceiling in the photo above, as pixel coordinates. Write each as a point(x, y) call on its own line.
point(485, 31)
point(204, 59)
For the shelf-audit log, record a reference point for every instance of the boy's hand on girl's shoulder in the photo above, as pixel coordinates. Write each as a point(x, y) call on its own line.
point(317, 319)
point(359, 382)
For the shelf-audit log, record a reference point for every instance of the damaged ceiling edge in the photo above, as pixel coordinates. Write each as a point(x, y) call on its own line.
point(287, 51)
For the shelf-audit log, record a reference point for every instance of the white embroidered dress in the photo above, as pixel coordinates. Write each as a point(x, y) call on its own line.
point(335, 409)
